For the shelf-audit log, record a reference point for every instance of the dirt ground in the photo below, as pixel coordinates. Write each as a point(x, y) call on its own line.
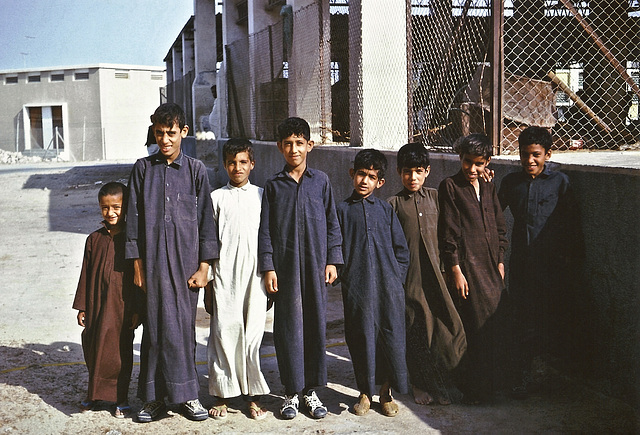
point(47, 210)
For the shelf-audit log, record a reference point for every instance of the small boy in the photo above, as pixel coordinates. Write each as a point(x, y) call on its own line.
point(236, 297)
point(435, 335)
point(107, 304)
point(376, 261)
point(171, 237)
point(543, 239)
point(299, 246)
point(472, 242)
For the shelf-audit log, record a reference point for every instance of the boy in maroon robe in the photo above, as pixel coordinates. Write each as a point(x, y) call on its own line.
point(106, 303)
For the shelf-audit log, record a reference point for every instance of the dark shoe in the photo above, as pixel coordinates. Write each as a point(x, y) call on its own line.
point(194, 410)
point(289, 408)
point(314, 405)
point(150, 411)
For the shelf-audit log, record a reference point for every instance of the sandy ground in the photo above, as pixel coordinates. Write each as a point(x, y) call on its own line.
point(48, 209)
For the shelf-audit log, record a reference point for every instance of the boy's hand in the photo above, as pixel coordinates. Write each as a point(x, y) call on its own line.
point(199, 279)
point(488, 175)
point(330, 274)
point(271, 282)
point(81, 318)
point(208, 297)
point(138, 274)
point(460, 282)
point(501, 270)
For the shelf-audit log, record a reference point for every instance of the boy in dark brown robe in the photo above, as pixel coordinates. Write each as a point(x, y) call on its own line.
point(435, 335)
point(107, 308)
point(472, 241)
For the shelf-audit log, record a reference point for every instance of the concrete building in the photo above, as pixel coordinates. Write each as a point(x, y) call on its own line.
point(85, 112)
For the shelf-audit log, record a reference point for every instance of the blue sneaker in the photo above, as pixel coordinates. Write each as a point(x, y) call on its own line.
point(150, 411)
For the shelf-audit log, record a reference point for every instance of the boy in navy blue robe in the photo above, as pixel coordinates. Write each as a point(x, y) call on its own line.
point(544, 254)
point(376, 262)
point(172, 238)
point(299, 246)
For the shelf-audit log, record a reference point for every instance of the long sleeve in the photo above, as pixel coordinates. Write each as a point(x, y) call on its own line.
point(501, 226)
point(134, 235)
point(400, 247)
point(449, 228)
point(334, 234)
point(80, 301)
point(207, 230)
point(265, 247)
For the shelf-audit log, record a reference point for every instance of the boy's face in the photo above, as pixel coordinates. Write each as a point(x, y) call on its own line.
point(169, 139)
point(365, 181)
point(473, 166)
point(294, 149)
point(533, 158)
point(238, 167)
point(111, 207)
point(413, 178)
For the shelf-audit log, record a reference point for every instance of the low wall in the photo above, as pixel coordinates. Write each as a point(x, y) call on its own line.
point(609, 201)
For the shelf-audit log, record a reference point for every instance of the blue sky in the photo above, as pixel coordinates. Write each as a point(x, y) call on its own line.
point(49, 33)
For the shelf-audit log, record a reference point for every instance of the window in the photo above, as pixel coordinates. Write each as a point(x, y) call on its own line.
point(122, 74)
point(57, 77)
point(157, 77)
point(81, 75)
point(33, 79)
point(243, 12)
point(11, 80)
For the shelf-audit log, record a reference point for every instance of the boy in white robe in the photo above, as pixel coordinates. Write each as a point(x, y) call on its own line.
point(236, 297)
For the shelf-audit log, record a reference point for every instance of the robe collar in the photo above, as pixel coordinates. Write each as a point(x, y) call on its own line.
point(159, 158)
point(357, 198)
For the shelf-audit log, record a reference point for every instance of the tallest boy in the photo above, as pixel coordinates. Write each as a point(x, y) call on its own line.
point(171, 235)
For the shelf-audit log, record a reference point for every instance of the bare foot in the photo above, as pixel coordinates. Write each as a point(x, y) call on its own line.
point(256, 411)
point(421, 397)
point(219, 411)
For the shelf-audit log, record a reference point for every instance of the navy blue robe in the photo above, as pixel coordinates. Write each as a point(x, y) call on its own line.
point(299, 236)
point(170, 226)
point(375, 267)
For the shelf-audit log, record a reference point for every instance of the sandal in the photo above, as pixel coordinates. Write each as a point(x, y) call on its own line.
point(389, 407)
point(219, 412)
point(86, 405)
point(363, 405)
point(256, 411)
point(122, 411)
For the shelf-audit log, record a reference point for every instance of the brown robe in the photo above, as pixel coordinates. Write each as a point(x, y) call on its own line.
point(472, 234)
point(107, 296)
point(426, 293)
point(435, 336)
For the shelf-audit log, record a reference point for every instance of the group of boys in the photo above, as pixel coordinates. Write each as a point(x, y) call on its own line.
point(283, 244)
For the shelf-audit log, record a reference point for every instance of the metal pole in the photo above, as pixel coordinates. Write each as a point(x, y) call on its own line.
point(497, 75)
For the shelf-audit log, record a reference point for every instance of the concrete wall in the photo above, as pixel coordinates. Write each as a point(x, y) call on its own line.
point(128, 98)
point(102, 110)
point(609, 199)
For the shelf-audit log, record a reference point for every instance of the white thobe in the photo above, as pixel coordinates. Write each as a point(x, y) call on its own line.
point(239, 295)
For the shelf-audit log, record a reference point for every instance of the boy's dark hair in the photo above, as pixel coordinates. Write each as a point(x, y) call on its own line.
point(235, 146)
point(535, 135)
point(114, 188)
point(168, 114)
point(371, 159)
point(413, 155)
point(475, 144)
point(294, 126)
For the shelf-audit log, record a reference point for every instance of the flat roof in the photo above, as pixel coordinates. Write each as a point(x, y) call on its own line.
point(86, 66)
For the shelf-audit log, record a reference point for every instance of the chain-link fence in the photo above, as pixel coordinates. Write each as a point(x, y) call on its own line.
point(570, 67)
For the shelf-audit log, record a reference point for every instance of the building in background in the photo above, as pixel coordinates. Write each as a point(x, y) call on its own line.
point(86, 112)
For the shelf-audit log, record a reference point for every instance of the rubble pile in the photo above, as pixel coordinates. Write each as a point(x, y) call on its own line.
point(13, 158)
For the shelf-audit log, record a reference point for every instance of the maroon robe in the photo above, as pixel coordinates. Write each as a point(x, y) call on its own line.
point(108, 297)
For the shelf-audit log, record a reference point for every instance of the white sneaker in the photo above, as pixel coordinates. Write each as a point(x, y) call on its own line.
point(290, 406)
point(314, 405)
